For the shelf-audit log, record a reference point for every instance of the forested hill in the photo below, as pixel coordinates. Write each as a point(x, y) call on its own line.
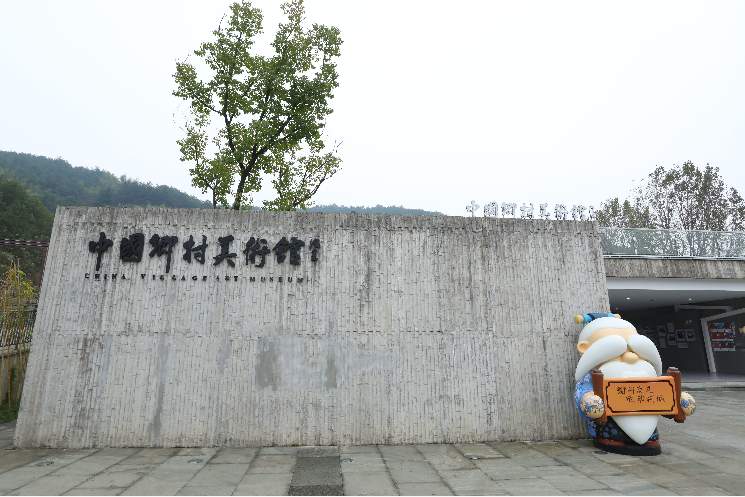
point(55, 182)
point(378, 209)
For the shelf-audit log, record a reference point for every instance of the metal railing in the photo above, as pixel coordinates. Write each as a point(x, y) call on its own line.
point(672, 243)
point(11, 333)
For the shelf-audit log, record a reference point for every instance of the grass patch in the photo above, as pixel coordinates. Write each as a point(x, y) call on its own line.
point(9, 411)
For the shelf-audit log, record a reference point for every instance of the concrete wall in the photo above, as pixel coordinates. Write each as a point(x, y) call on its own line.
point(408, 329)
point(622, 267)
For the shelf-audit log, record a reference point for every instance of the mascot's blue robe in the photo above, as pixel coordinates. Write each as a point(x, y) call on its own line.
point(608, 431)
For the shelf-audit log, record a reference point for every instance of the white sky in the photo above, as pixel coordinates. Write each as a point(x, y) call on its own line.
point(438, 103)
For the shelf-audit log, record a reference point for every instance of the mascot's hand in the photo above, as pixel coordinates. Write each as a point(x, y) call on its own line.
point(592, 405)
point(687, 403)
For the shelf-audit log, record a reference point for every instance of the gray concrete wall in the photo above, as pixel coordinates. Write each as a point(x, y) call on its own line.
point(408, 329)
point(621, 267)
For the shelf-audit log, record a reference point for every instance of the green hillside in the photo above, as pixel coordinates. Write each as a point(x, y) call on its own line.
point(22, 217)
point(55, 182)
point(378, 209)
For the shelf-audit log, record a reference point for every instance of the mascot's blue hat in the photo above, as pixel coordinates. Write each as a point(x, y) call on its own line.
point(586, 318)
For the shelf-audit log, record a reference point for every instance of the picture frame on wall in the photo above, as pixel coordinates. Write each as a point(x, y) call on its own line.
point(690, 335)
point(661, 331)
point(663, 343)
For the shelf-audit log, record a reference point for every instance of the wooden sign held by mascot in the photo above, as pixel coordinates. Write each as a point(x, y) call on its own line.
point(623, 398)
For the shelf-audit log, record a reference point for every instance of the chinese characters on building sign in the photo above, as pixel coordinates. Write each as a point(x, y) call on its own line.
point(639, 395)
point(491, 209)
point(132, 247)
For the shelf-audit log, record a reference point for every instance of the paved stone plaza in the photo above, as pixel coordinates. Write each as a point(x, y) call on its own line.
point(703, 456)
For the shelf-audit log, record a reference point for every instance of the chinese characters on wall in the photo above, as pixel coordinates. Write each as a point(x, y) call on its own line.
point(256, 250)
point(577, 212)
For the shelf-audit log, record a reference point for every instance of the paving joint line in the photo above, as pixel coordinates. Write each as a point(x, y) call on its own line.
point(387, 469)
point(250, 463)
point(435, 469)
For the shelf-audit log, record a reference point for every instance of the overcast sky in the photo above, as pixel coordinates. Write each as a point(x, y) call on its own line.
point(438, 104)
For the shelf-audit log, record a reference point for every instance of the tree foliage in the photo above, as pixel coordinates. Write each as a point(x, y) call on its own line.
point(681, 197)
point(55, 182)
point(22, 217)
point(624, 214)
point(270, 112)
point(17, 299)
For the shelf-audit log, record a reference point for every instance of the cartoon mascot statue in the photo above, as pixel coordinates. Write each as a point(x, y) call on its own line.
point(613, 349)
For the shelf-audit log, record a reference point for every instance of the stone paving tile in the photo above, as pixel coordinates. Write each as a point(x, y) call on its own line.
point(358, 449)
point(631, 484)
point(400, 453)
point(616, 459)
point(575, 444)
point(412, 472)
point(197, 452)
point(599, 468)
point(528, 457)
point(689, 468)
point(318, 451)
point(482, 451)
point(529, 486)
point(90, 466)
point(683, 452)
point(167, 478)
point(557, 471)
point(10, 459)
point(471, 482)
point(698, 491)
point(510, 448)
point(362, 463)
point(275, 451)
point(730, 483)
point(151, 456)
point(424, 448)
point(654, 491)
point(450, 460)
point(504, 469)
point(377, 483)
point(49, 485)
point(571, 482)
point(23, 475)
point(663, 476)
point(219, 475)
point(272, 464)
point(428, 488)
point(264, 484)
point(234, 456)
point(119, 476)
point(94, 491)
point(18, 477)
point(211, 490)
point(595, 492)
point(565, 454)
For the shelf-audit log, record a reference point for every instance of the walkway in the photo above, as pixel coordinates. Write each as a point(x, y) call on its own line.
point(703, 456)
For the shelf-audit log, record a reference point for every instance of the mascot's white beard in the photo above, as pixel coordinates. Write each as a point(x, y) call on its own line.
point(639, 428)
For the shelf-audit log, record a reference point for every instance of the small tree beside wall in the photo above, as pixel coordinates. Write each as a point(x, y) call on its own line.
point(17, 312)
